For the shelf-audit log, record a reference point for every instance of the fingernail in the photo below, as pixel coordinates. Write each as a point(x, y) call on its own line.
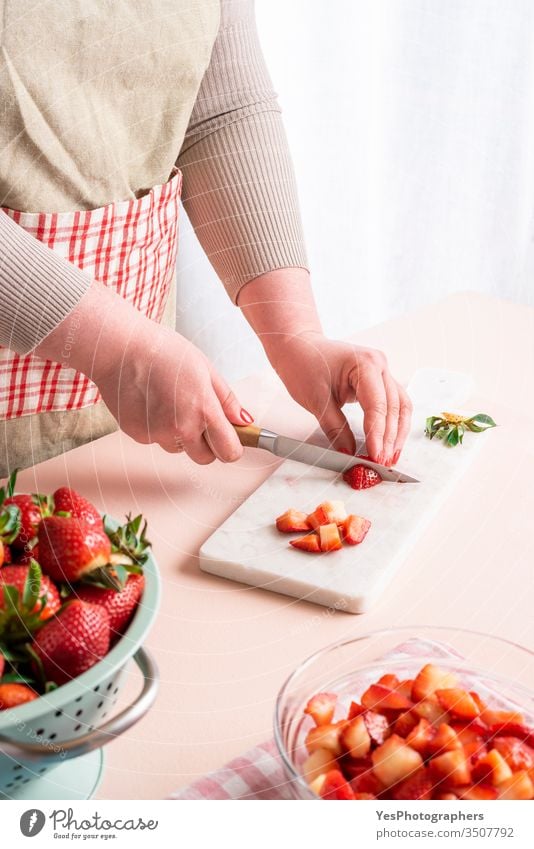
point(245, 416)
point(380, 459)
point(396, 457)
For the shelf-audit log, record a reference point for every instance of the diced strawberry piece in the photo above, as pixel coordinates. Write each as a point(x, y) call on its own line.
point(325, 737)
point(317, 783)
point(355, 709)
point(519, 786)
point(394, 761)
point(390, 681)
point(354, 529)
point(326, 513)
point(469, 732)
point(377, 726)
point(292, 521)
point(458, 703)
point(431, 710)
point(446, 797)
point(318, 763)
point(516, 753)
point(512, 729)
point(336, 787)
point(416, 787)
point(452, 768)
point(405, 687)
point(329, 539)
point(478, 700)
point(321, 708)
point(420, 738)
point(501, 717)
point(474, 750)
point(445, 740)
point(308, 543)
point(429, 679)
point(491, 768)
point(355, 738)
point(478, 793)
point(405, 723)
point(364, 796)
point(367, 782)
point(377, 696)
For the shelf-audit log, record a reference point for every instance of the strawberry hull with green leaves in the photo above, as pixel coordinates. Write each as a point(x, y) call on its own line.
point(421, 738)
point(70, 592)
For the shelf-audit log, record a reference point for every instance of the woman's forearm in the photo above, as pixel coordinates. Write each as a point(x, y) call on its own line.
point(278, 306)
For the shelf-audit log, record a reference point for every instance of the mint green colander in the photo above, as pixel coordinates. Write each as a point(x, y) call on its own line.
point(73, 720)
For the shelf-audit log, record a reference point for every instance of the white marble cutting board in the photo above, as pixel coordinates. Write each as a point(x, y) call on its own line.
point(249, 549)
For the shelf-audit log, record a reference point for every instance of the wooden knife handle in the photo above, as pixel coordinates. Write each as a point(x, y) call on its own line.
point(248, 435)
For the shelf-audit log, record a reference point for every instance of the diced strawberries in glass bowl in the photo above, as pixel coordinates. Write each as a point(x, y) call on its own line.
point(410, 714)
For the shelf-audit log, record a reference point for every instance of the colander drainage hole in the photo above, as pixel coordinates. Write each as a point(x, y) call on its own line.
point(115, 691)
point(43, 769)
point(110, 685)
point(79, 712)
point(99, 705)
point(18, 777)
point(97, 688)
point(78, 726)
point(26, 780)
point(78, 699)
point(10, 784)
point(52, 736)
point(58, 713)
point(39, 732)
point(17, 766)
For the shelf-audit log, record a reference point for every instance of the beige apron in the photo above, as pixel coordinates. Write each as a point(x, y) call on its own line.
point(96, 100)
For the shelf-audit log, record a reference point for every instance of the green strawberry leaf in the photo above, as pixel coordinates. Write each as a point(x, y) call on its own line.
point(16, 678)
point(32, 586)
point(453, 436)
point(482, 418)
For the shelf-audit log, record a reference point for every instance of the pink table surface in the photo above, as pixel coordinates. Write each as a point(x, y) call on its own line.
point(224, 649)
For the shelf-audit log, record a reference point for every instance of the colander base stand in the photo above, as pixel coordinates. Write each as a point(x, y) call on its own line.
point(78, 778)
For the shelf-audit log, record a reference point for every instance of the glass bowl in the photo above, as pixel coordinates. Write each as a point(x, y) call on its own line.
point(501, 671)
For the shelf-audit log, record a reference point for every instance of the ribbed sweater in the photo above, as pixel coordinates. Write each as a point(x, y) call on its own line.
point(239, 192)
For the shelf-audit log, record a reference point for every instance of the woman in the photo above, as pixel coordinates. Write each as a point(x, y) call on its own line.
point(106, 108)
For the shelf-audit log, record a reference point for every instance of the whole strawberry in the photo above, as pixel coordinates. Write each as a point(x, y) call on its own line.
point(119, 604)
point(72, 641)
point(16, 576)
point(12, 695)
point(32, 509)
point(67, 500)
point(361, 477)
point(70, 549)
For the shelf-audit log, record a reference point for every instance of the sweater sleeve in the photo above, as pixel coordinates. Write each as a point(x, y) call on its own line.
point(239, 187)
point(38, 288)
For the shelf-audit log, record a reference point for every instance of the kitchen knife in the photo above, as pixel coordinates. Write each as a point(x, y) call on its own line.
point(252, 436)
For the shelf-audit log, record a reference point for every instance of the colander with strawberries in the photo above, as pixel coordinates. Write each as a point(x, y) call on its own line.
point(78, 594)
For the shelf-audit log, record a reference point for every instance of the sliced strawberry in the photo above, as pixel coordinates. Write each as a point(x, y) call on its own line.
point(405, 723)
point(326, 737)
point(420, 738)
point(390, 681)
point(452, 768)
point(491, 768)
point(458, 703)
point(318, 763)
point(292, 521)
point(336, 787)
point(354, 529)
point(377, 696)
point(321, 708)
point(355, 738)
point(429, 679)
point(519, 786)
point(418, 786)
point(12, 695)
point(516, 753)
point(329, 539)
point(478, 793)
point(326, 513)
point(445, 740)
point(310, 542)
point(355, 709)
point(367, 782)
point(361, 477)
point(377, 726)
point(394, 761)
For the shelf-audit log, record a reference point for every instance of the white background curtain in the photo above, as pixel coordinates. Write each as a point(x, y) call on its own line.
point(411, 127)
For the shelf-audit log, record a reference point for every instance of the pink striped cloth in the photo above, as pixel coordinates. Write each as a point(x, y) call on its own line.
point(259, 774)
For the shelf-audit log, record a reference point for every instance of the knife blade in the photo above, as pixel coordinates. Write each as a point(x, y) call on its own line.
point(313, 455)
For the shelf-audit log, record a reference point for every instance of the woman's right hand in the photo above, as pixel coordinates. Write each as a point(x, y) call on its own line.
point(157, 384)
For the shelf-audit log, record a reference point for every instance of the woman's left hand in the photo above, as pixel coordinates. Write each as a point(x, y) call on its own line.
point(323, 375)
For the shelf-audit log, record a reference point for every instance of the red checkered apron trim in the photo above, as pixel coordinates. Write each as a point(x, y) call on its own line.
point(129, 246)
